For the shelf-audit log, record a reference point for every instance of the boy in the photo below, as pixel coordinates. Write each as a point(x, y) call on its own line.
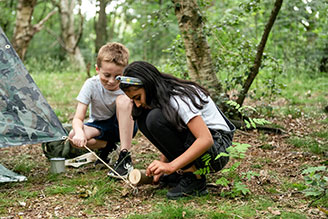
point(109, 110)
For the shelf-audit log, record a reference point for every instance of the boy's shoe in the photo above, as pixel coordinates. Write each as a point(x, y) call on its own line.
point(123, 165)
point(104, 152)
point(187, 186)
point(169, 180)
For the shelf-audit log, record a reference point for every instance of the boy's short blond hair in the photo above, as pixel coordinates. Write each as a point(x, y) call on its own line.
point(113, 52)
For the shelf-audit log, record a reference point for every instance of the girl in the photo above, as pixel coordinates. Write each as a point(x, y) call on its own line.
point(182, 121)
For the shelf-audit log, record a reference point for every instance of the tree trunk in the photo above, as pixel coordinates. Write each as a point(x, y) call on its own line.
point(101, 25)
point(70, 39)
point(24, 30)
point(258, 59)
point(200, 65)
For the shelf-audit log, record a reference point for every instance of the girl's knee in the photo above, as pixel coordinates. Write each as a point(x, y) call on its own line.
point(154, 119)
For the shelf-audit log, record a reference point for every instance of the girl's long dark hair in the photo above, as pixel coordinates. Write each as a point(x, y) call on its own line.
point(159, 87)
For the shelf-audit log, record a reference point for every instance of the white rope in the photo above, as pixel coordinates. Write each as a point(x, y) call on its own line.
point(109, 167)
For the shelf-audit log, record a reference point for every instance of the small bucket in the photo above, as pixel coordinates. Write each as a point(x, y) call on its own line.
point(57, 165)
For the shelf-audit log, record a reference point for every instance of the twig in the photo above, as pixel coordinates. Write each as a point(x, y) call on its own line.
point(244, 133)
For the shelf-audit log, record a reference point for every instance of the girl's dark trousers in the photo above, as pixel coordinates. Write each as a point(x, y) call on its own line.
point(172, 143)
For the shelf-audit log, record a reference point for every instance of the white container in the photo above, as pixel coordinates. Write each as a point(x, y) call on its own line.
point(57, 165)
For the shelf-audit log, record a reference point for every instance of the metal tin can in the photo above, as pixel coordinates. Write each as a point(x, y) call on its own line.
point(57, 165)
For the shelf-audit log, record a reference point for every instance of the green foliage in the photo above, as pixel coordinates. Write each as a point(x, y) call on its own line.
point(176, 64)
point(47, 64)
point(7, 18)
point(231, 175)
point(60, 89)
point(316, 180)
point(178, 211)
point(321, 134)
point(309, 143)
point(24, 165)
point(151, 27)
point(98, 193)
point(233, 38)
point(249, 122)
point(239, 189)
point(203, 171)
point(237, 151)
point(168, 211)
point(59, 190)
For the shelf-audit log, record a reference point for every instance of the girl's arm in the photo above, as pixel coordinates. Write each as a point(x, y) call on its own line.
point(202, 143)
point(163, 158)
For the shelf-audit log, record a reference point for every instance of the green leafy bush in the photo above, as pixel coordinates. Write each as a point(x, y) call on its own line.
point(231, 177)
point(316, 180)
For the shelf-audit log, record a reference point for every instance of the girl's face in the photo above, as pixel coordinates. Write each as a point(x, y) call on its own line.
point(138, 95)
point(107, 73)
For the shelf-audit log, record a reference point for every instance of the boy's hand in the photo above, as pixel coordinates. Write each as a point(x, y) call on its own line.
point(79, 140)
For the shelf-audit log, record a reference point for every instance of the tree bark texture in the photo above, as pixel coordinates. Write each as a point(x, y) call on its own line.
point(101, 25)
point(69, 37)
point(200, 65)
point(24, 30)
point(258, 59)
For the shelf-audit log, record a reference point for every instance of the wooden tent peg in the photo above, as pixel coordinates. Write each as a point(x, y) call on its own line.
point(138, 177)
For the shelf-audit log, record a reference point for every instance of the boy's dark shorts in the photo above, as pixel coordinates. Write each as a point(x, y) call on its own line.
point(109, 129)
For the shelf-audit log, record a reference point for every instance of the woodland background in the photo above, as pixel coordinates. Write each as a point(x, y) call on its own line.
point(220, 44)
point(269, 58)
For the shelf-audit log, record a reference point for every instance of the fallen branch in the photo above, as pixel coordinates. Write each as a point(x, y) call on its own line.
point(241, 125)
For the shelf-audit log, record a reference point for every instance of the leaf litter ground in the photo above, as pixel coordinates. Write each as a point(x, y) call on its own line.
point(278, 164)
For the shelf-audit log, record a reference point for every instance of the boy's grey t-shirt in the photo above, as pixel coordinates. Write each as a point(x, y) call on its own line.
point(100, 100)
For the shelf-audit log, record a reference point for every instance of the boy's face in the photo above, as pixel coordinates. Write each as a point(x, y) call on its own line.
point(107, 73)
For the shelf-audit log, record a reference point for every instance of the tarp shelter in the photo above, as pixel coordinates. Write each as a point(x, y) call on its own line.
point(25, 115)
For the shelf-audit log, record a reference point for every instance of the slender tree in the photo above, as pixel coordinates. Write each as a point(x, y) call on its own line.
point(258, 59)
point(24, 30)
point(101, 25)
point(70, 39)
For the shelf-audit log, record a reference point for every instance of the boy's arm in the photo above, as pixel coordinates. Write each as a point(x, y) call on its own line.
point(79, 138)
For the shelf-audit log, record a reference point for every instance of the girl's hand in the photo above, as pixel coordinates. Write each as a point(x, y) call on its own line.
point(156, 178)
point(158, 167)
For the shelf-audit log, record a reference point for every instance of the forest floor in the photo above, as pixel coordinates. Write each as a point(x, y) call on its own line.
point(86, 192)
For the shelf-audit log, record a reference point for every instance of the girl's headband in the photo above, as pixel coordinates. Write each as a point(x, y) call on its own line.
point(129, 80)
